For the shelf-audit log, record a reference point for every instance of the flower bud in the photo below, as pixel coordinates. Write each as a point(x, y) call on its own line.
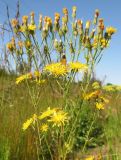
point(87, 25)
point(96, 16)
point(65, 11)
point(40, 22)
point(32, 18)
point(25, 20)
point(74, 11)
point(56, 43)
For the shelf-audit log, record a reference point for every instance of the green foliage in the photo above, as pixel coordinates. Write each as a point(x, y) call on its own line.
point(4, 149)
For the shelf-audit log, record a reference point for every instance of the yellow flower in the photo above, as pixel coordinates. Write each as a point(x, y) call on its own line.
point(23, 28)
point(56, 69)
point(57, 17)
point(37, 73)
point(14, 22)
point(47, 21)
point(10, 46)
point(77, 66)
point(28, 44)
point(31, 27)
point(44, 128)
point(104, 43)
point(105, 100)
point(87, 24)
point(97, 12)
point(59, 118)
point(74, 8)
point(96, 85)
point(23, 77)
point(91, 95)
point(20, 44)
point(90, 158)
point(47, 113)
point(100, 105)
point(25, 19)
point(65, 11)
point(108, 88)
point(110, 30)
point(29, 122)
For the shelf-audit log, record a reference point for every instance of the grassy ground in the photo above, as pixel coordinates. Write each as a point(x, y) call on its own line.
point(16, 107)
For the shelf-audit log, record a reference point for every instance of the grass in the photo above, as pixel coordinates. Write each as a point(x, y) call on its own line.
point(16, 107)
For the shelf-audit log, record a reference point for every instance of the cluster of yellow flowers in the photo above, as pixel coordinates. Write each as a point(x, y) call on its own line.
point(23, 77)
point(55, 116)
point(96, 85)
point(59, 69)
point(35, 77)
point(91, 95)
point(56, 69)
point(100, 101)
point(112, 88)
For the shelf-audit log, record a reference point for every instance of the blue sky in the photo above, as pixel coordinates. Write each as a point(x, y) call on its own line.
point(110, 66)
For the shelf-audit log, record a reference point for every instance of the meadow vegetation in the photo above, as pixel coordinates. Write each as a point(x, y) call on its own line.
point(46, 113)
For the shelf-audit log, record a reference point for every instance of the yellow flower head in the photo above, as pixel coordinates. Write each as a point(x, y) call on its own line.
point(96, 85)
point(25, 19)
point(57, 17)
point(14, 22)
point(65, 11)
point(29, 122)
point(20, 44)
point(23, 28)
point(32, 14)
point(104, 43)
point(31, 27)
point(37, 73)
point(47, 113)
point(74, 8)
point(97, 12)
point(27, 44)
point(80, 23)
point(49, 21)
point(110, 30)
point(76, 66)
point(44, 128)
point(91, 95)
point(59, 118)
point(23, 77)
point(10, 46)
point(105, 100)
point(100, 105)
point(88, 24)
point(56, 69)
point(90, 158)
